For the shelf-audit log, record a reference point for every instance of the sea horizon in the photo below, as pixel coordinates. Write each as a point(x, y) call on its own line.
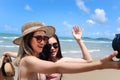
point(98, 47)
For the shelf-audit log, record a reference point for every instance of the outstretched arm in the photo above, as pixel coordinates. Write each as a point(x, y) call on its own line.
point(63, 67)
point(77, 33)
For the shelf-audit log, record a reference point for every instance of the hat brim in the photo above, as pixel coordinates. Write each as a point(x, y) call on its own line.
point(50, 31)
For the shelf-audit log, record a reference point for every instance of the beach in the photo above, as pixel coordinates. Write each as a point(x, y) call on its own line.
point(94, 75)
point(97, 47)
point(106, 74)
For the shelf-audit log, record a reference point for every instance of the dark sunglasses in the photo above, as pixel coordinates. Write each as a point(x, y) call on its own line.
point(54, 45)
point(40, 38)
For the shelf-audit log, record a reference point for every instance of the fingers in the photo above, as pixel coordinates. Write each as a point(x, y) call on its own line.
point(77, 29)
point(113, 54)
point(110, 57)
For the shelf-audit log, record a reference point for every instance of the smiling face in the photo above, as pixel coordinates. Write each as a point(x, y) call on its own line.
point(54, 46)
point(38, 41)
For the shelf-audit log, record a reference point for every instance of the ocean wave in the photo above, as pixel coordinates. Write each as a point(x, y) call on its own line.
point(68, 40)
point(86, 41)
point(8, 46)
point(98, 41)
point(96, 50)
point(76, 51)
point(1, 41)
point(8, 38)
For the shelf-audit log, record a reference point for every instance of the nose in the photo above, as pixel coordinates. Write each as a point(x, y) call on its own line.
point(42, 42)
point(52, 47)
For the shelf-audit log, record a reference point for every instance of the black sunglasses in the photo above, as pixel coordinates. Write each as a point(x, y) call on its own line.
point(55, 45)
point(40, 38)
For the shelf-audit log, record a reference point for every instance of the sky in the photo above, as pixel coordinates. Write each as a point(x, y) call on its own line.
point(97, 18)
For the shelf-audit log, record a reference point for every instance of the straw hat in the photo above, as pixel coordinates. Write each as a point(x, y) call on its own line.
point(34, 26)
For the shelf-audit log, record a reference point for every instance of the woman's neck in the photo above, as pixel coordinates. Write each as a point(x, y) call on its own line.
point(36, 54)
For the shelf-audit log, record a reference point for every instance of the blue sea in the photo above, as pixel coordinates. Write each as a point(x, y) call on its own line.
point(98, 47)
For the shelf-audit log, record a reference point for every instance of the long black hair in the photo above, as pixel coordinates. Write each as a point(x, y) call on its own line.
point(59, 54)
point(45, 54)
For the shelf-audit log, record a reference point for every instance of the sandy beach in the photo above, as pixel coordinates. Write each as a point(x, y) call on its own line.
point(94, 75)
point(104, 74)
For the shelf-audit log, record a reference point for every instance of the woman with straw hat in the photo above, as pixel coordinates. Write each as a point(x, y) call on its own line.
point(32, 42)
point(55, 52)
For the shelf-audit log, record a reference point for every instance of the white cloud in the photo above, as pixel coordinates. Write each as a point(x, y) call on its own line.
point(82, 6)
point(91, 22)
point(28, 8)
point(107, 33)
point(100, 16)
point(67, 24)
point(104, 34)
point(118, 29)
point(10, 28)
point(96, 33)
point(118, 20)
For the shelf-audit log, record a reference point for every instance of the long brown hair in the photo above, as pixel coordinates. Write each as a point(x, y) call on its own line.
point(24, 48)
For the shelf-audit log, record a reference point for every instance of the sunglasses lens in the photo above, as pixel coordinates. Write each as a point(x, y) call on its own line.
point(40, 38)
point(45, 38)
point(54, 45)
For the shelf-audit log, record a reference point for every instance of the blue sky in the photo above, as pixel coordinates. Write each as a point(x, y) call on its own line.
point(98, 18)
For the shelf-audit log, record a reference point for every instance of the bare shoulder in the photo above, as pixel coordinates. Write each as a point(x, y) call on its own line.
point(29, 62)
point(28, 59)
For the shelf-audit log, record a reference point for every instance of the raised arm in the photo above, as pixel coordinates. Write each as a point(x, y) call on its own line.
point(77, 33)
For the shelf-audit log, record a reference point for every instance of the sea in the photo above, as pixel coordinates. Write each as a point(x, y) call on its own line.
point(97, 47)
